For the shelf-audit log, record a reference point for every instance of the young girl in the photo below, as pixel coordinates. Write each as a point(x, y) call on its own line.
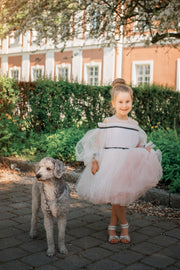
point(120, 165)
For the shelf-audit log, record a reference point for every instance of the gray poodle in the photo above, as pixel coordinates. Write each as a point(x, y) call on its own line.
point(53, 194)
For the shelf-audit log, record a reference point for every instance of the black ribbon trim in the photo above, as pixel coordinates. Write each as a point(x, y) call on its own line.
point(124, 148)
point(119, 127)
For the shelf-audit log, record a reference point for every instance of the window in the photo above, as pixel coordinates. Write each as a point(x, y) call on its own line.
point(14, 73)
point(63, 72)
point(142, 72)
point(37, 73)
point(92, 73)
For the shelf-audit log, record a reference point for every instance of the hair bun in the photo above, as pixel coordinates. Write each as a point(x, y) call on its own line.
point(117, 82)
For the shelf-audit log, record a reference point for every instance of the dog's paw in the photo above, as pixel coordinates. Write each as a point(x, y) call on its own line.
point(63, 250)
point(50, 252)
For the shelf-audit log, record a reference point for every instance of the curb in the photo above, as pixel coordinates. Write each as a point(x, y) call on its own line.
point(159, 196)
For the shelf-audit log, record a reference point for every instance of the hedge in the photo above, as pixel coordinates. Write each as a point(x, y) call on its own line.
point(49, 105)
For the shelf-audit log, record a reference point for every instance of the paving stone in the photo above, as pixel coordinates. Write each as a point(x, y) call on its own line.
point(86, 242)
point(96, 253)
point(151, 231)
point(174, 233)
point(10, 254)
point(71, 263)
point(158, 260)
point(172, 251)
point(35, 245)
point(126, 257)
point(163, 240)
point(7, 215)
point(7, 223)
point(165, 225)
point(47, 267)
point(16, 265)
point(9, 232)
point(38, 259)
point(81, 232)
point(137, 237)
point(9, 242)
point(75, 224)
point(101, 235)
point(140, 222)
point(105, 265)
point(145, 248)
point(172, 268)
point(98, 226)
point(139, 266)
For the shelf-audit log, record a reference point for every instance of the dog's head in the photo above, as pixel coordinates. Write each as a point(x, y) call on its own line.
point(49, 168)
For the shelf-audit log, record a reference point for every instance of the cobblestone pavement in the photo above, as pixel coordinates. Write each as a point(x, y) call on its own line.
point(155, 240)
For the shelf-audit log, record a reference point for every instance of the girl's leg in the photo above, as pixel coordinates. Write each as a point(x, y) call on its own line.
point(113, 222)
point(120, 212)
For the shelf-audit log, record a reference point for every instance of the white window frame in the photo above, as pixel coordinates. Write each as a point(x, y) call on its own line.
point(89, 65)
point(15, 68)
point(34, 68)
point(136, 63)
point(68, 66)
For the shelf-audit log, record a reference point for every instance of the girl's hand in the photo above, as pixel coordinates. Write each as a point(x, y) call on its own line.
point(148, 148)
point(94, 167)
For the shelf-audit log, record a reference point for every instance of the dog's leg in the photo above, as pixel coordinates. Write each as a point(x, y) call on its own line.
point(61, 234)
point(36, 202)
point(48, 224)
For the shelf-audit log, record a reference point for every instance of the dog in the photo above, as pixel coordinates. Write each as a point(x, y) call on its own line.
point(52, 193)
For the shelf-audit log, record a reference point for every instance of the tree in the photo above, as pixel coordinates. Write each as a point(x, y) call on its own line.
point(155, 21)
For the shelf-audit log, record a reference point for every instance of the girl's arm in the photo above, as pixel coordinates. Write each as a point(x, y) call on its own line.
point(95, 164)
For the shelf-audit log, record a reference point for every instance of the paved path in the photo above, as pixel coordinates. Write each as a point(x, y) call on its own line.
point(155, 241)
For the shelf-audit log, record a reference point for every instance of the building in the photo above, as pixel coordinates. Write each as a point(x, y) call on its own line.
point(89, 61)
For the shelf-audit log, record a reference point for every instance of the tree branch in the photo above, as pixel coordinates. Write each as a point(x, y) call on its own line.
point(159, 37)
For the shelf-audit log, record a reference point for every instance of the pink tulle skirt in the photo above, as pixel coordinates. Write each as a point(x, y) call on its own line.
point(124, 175)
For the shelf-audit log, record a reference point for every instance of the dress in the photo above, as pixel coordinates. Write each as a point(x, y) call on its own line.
point(126, 169)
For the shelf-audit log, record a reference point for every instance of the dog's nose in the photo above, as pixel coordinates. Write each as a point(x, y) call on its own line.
point(38, 175)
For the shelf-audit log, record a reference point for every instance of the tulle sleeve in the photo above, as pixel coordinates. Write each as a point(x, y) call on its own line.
point(89, 146)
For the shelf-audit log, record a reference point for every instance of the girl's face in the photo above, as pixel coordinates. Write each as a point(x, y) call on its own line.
point(122, 104)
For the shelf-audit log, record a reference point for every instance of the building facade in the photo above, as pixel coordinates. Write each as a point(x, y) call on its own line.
point(89, 61)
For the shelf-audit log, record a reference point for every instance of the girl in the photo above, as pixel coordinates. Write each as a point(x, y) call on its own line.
point(120, 166)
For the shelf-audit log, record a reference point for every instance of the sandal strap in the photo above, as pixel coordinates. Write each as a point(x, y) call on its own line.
point(125, 226)
point(113, 237)
point(126, 237)
point(111, 228)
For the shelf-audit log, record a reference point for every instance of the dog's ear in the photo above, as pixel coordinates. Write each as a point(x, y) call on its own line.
point(59, 168)
point(36, 167)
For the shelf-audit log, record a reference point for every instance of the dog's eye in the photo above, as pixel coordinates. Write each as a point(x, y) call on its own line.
point(48, 169)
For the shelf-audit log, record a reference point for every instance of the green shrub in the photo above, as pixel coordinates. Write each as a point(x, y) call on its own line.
point(9, 95)
point(153, 104)
point(12, 137)
point(169, 143)
point(60, 145)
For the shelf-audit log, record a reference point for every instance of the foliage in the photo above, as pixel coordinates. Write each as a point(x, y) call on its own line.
point(169, 143)
point(12, 137)
point(62, 105)
point(9, 95)
point(153, 104)
point(61, 21)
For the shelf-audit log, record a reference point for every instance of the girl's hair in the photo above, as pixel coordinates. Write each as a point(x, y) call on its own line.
point(119, 85)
